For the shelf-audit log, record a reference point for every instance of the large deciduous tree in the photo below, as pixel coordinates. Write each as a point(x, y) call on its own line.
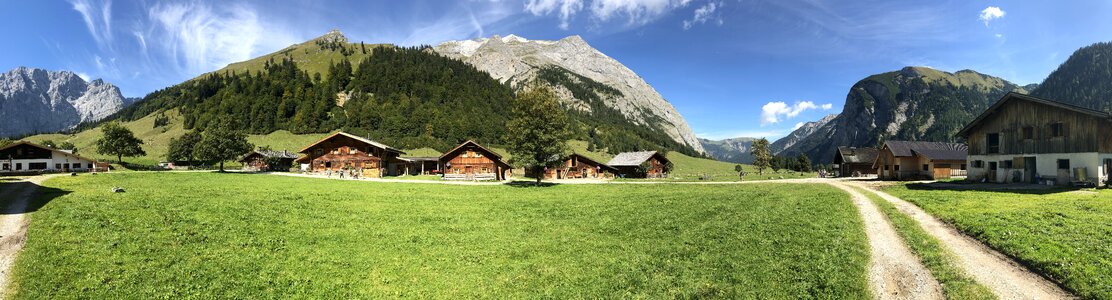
point(762, 156)
point(181, 148)
point(119, 141)
point(538, 133)
point(221, 143)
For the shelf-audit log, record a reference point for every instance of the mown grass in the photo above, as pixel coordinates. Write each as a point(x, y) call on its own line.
point(687, 168)
point(177, 235)
point(1065, 235)
point(956, 284)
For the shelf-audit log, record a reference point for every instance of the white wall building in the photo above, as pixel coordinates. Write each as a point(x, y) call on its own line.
point(23, 156)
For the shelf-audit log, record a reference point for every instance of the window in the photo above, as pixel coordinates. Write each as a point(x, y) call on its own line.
point(57, 166)
point(76, 165)
point(992, 166)
point(1057, 129)
point(36, 166)
point(980, 164)
point(1007, 164)
point(963, 166)
point(1028, 133)
point(5, 167)
point(886, 167)
point(90, 166)
point(18, 166)
point(896, 167)
point(993, 143)
point(477, 154)
point(1107, 165)
point(1063, 164)
point(926, 167)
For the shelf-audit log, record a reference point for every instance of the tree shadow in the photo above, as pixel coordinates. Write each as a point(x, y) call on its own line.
point(530, 184)
point(1012, 188)
point(39, 197)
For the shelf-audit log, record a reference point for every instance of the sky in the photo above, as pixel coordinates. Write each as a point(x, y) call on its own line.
point(732, 68)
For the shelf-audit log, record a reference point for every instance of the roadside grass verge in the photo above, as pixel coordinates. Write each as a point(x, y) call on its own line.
point(186, 235)
point(1064, 235)
point(956, 284)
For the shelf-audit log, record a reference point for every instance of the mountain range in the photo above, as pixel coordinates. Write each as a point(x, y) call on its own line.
point(924, 104)
point(36, 101)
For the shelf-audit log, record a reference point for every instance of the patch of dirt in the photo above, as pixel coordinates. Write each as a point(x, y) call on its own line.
point(894, 271)
point(1005, 277)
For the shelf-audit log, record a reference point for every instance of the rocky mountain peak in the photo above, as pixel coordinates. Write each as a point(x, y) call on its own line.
point(333, 36)
point(518, 61)
point(36, 100)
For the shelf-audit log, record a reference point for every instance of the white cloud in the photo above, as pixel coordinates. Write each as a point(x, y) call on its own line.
point(703, 14)
point(200, 38)
point(98, 19)
point(636, 12)
point(827, 106)
point(774, 112)
point(797, 125)
point(991, 13)
point(83, 76)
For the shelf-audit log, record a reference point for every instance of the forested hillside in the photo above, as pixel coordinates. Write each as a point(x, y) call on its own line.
point(405, 97)
point(1085, 79)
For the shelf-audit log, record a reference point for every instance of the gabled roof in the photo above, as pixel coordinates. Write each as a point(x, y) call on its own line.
point(932, 150)
point(490, 153)
point(70, 153)
point(1013, 96)
point(354, 137)
point(632, 159)
point(591, 161)
point(270, 154)
point(852, 155)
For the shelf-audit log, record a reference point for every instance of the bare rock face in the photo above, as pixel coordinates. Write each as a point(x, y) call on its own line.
point(516, 61)
point(38, 101)
point(799, 134)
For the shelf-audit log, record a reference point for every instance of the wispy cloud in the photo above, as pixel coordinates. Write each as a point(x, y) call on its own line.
point(465, 21)
point(634, 12)
point(775, 112)
point(97, 17)
point(705, 13)
point(991, 13)
point(201, 38)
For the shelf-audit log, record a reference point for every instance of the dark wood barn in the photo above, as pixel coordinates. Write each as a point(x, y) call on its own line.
point(471, 161)
point(1022, 138)
point(577, 166)
point(342, 151)
point(268, 161)
point(854, 162)
point(643, 164)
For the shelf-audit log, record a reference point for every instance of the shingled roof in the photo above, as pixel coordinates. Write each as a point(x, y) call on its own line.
point(932, 150)
point(852, 155)
point(631, 159)
point(357, 138)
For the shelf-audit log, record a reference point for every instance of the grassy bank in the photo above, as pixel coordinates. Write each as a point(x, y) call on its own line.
point(1066, 235)
point(263, 236)
point(956, 284)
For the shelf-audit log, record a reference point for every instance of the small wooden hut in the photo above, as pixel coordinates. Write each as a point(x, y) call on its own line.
point(642, 164)
point(912, 160)
point(854, 162)
point(471, 161)
point(268, 160)
point(577, 166)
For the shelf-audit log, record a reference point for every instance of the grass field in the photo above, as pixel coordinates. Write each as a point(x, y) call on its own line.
point(689, 168)
point(1066, 235)
point(941, 263)
point(265, 236)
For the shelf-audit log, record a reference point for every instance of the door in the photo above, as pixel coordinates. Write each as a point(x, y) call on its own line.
point(991, 171)
point(1029, 169)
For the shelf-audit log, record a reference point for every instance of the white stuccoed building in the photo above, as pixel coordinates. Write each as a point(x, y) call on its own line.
point(27, 157)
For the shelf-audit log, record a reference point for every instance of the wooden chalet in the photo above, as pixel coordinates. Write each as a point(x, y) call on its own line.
point(854, 162)
point(343, 151)
point(268, 160)
point(28, 157)
point(577, 166)
point(1027, 139)
point(907, 160)
point(642, 164)
point(471, 161)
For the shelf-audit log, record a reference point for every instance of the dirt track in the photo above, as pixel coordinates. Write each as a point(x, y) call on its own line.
point(13, 222)
point(1006, 278)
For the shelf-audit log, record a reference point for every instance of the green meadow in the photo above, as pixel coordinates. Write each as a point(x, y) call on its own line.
point(1065, 235)
point(188, 235)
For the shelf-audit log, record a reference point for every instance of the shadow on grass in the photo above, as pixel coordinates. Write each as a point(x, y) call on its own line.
point(530, 184)
point(40, 196)
point(1013, 188)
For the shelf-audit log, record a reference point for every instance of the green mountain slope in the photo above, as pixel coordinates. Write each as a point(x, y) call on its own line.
point(735, 150)
point(915, 103)
point(1085, 79)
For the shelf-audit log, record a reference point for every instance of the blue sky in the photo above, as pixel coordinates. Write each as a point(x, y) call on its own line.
point(731, 68)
